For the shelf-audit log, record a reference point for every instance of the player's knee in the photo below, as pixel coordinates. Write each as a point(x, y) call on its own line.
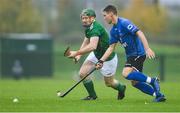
point(125, 73)
point(108, 84)
point(81, 74)
point(133, 83)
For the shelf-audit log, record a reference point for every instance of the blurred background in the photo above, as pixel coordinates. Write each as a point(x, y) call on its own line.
point(35, 33)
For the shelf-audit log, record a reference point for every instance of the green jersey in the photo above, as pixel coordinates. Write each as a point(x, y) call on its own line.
point(97, 30)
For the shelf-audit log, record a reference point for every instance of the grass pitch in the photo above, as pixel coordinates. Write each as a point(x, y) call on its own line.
point(40, 96)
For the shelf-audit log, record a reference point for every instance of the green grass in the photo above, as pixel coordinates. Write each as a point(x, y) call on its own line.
point(40, 95)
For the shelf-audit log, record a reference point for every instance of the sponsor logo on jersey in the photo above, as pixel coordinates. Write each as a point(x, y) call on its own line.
point(130, 26)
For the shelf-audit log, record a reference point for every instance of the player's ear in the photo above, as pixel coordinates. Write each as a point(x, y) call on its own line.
point(111, 14)
point(92, 18)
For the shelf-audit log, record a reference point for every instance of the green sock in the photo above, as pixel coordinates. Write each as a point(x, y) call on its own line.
point(88, 84)
point(119, 87)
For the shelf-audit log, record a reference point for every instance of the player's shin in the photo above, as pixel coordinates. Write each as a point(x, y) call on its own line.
point(137, 76)
point(88, 84)
point(117, 85)
point(145, 88)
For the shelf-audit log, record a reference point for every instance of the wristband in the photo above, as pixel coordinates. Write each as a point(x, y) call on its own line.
point(100, 61)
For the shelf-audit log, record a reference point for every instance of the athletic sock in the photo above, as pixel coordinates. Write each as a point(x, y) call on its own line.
point(118, 86)
point(138, 76)
point(88, 84)
point(145, 88)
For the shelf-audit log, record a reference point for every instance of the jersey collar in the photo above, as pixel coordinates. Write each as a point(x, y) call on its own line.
point(91, 26)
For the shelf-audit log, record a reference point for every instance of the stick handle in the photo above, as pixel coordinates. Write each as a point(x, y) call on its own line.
point(71, 88)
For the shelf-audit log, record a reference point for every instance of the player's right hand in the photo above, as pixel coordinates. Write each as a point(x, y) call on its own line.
point(72, 54)
point(99, 64)
point(150, 53)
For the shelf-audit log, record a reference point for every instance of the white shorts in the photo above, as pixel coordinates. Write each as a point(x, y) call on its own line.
point(109, 67)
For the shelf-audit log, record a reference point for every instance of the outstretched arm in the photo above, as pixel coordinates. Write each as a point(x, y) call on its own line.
point(150, 53)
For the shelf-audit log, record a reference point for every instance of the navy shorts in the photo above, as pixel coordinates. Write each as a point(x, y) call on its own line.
point(136, 62)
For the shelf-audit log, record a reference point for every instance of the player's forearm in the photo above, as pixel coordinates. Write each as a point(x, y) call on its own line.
point(86, 49)
point(92, 45)
point(85, 43)
point(143, 39)
point(108, 52)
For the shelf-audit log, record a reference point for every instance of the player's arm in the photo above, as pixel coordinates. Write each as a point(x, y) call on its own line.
point(112, 44)
point(148, 50)
point(108, 52)
point(86, 48)
point(91, 46)
point(84, 43)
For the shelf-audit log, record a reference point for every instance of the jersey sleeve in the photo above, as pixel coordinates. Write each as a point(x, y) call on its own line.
point(95, 32)
point(112, 39)
point(130, 27)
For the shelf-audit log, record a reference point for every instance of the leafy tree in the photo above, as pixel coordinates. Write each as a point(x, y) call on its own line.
point(149, 17)
point(69, 20)
point(19, 16)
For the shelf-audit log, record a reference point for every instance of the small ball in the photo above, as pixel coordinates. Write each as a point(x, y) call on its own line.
point(15, 100)
point(58, 93)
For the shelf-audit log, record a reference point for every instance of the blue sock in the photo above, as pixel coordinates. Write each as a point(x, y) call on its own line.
point(145, 88)
point(138, 76)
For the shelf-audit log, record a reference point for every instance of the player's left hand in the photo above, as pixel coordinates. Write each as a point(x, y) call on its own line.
point(99, 64)
point(150, 53)
point(76, 58)
point(72, 54)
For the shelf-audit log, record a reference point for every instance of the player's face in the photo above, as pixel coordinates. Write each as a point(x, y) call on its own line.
point(108, 17)
point(86, 20)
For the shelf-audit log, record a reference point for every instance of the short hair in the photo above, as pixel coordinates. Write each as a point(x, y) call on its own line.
point(110, 8)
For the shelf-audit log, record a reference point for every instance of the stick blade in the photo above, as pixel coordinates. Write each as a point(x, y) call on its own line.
point(60, 94)
point(67, 51)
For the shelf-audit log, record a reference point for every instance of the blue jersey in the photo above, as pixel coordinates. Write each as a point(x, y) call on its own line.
point(125, 33)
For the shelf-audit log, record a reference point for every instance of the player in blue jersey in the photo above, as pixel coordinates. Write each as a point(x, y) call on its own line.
point(136, 49)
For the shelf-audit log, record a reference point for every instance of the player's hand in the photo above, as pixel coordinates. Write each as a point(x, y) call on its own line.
point(150, 53)
point(72, 54)
point(99, 64)
point(77, 58)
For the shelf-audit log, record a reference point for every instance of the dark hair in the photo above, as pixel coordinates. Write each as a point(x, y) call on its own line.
point(110, 8)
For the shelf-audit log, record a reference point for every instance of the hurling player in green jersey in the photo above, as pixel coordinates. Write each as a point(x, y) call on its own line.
point(96, 42)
